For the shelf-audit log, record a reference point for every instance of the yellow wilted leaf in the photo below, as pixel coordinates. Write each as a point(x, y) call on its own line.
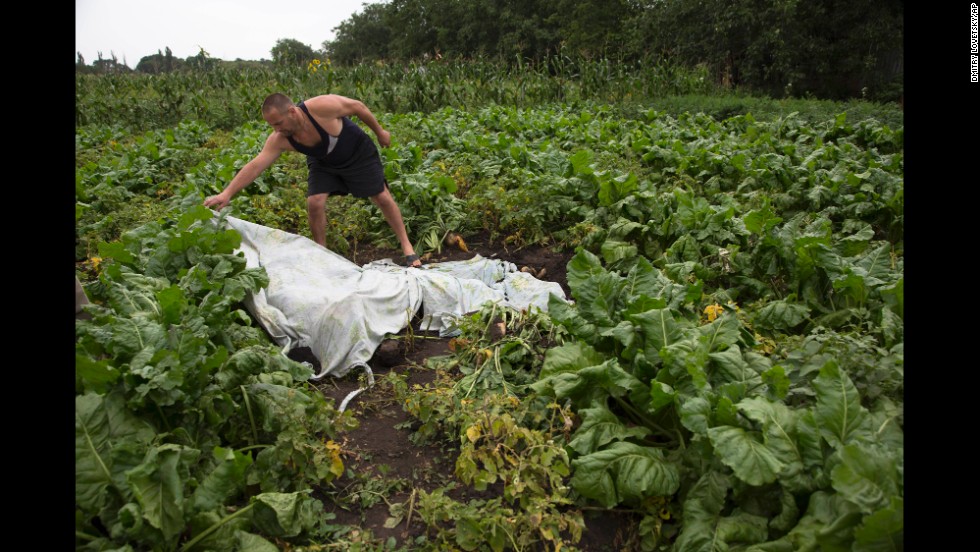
point(712, 311)
point(473, 433)
point(454, 239)
point(336, 464)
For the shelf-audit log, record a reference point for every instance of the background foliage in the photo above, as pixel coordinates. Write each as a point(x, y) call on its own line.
point(833, 49)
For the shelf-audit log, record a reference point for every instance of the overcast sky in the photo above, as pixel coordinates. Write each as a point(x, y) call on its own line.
point(226, 29)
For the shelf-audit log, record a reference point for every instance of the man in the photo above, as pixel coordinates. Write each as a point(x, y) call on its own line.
point(340, 156)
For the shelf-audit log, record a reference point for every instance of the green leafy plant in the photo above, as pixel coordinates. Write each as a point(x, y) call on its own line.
point(181, 412)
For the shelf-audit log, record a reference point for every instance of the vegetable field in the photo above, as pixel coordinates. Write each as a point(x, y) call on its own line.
point(729, 377)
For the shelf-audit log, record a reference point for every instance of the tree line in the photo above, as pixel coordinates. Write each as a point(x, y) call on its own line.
point(830, 49)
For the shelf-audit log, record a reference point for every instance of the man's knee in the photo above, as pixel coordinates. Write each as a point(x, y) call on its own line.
point(316, 203)
point(383, 198)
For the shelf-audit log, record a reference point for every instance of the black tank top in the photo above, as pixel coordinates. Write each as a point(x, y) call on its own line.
point(351, 136)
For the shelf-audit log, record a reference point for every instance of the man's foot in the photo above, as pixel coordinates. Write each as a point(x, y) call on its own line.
point(413, 261)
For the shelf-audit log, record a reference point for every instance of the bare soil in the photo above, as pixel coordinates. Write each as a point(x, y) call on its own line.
point(380, 449)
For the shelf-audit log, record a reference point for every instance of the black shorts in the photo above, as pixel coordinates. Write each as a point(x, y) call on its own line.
point(362, 176)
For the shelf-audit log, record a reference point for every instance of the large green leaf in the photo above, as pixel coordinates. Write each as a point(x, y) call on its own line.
point(247, 281)
point(894, 296)
point(702, 512)
point(867, 476)
point(581, 267)
point(857, 242)
point(133, 294)
point(172, 303)
point(686, 361)
point(742, 528)
point(158, 484)
point(659, 329)
point(599, 427)
point(721, 333)
point(590, 383)
point(617, 250)
point(614, 189)
point(624, 473)
point(222, 528)
point(106, 432)
point(884, 530)
point(730, 367)
point(780, 315)
point(224, 481)
point(92, 461)
point(811, 444)
point(94, 375)
point(277, 407)
point(580, 162)
point(876, 265)
point(248, 542)
point(136, 334)
point(569, 357)
point(625, 333)
point(762, 220)
point(778, 431)
point(566, 314)
point(751, 460)
point(838, 412)
point(285, 514)
point(827, 525)
point(645, 279)
point(116, 251)
point(695, 414)
point(892, 327)
point(598, 299)
point(661, 395)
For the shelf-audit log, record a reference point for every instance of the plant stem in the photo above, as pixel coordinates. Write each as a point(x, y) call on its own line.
point(640, 416)
point(677, 429)
point(190, 544)
point(615, 510)
point(243, 449)
point(251, 419)
point(166, 424)
point(411, 507)
point(380, 495)
point(84, 536)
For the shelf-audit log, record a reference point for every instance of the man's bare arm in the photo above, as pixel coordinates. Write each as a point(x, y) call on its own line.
point(333, 105)
point(270, 152)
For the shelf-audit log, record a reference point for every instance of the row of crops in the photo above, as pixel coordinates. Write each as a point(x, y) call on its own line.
point(731, 372)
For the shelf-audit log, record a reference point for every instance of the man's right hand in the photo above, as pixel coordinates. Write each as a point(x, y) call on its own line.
point(218, 202)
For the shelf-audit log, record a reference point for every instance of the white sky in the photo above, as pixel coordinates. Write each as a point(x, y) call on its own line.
point(226, 29)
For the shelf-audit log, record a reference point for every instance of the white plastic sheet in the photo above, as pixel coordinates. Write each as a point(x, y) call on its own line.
point(342, 311)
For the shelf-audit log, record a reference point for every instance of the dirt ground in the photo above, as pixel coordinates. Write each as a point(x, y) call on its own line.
point(381, 449)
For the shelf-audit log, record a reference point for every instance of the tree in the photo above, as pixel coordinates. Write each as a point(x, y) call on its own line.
point(593, 26)
point(202, 60)
point(828, 48)
point(288, 51)
point(111, 65)
point(80, 66)
point(365, 35)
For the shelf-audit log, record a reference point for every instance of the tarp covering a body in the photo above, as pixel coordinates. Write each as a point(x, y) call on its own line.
point(342, 311)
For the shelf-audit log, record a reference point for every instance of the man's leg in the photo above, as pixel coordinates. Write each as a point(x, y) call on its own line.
point(316, 209)
point(389, 208)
